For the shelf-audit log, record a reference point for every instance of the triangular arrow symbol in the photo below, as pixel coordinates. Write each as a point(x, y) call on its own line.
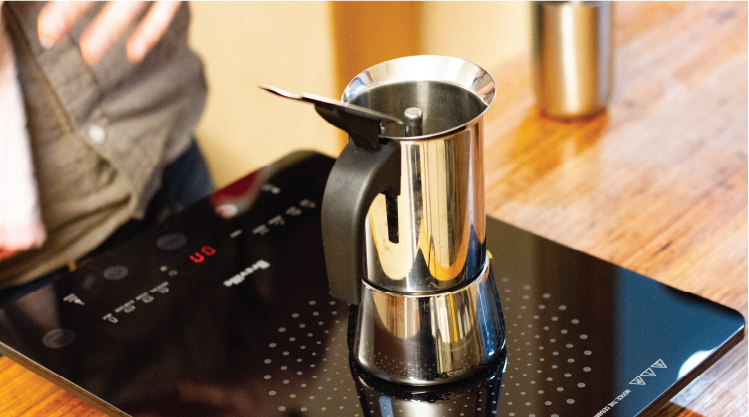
point(637, 381)
point(72, 298)
point(648, 372)
point(658, 364)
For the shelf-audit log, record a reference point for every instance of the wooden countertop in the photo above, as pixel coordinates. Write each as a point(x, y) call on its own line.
point(657, 184)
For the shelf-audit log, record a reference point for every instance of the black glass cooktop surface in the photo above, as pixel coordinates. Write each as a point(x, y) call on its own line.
point(224, 311)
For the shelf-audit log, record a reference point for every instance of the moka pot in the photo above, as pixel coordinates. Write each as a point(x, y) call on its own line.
point(403, 220)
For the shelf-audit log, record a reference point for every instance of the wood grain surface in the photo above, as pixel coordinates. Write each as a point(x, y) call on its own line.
point(657, 184)
point(23, 393)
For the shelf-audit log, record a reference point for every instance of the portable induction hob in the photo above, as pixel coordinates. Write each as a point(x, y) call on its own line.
point(224, 311)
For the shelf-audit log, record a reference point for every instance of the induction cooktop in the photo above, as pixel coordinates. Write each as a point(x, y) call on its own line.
point(224, 311)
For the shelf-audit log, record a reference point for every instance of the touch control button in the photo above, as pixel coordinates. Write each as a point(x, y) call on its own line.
point(171, 241)
point(58, 338)
point(115, 272)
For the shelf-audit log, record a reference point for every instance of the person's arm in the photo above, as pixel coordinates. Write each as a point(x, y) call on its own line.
point(57, 17)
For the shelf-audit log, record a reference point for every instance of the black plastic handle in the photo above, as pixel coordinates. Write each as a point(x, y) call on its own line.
point(357, 177)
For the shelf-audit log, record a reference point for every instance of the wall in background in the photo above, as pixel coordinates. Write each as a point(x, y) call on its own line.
point(485, 33)
point(245, 44)
point(369, 32)
point(317, 47)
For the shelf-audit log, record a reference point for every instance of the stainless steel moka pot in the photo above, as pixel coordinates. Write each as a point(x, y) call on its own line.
point(403, 220)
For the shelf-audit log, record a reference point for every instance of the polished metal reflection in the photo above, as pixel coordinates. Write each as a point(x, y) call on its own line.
point(572, 57)
point(476, 396)
point(429, 339)
point(414, 119)
point(439, 241)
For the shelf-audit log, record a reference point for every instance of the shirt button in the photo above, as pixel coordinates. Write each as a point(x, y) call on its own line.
point(97, 133)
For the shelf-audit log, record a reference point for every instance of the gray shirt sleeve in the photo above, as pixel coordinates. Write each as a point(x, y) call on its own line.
point(100, 135)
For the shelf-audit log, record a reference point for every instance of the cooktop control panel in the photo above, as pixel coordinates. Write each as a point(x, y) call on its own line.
point(225, 311)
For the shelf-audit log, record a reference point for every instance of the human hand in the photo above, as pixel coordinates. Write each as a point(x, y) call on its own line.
point(5, 254)
point(57, 17)
point(20, 235)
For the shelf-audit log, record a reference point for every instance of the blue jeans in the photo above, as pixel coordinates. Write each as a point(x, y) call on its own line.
point(184, 182)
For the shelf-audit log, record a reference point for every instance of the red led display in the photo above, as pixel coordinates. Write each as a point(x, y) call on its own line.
point(198, 257)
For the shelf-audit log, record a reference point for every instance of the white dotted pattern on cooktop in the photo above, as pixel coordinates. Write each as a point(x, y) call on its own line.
point(307, 370)
point(544, 351)
point(307, 367)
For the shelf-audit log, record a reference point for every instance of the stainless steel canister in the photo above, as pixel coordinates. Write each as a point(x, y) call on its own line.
point(572, 57)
